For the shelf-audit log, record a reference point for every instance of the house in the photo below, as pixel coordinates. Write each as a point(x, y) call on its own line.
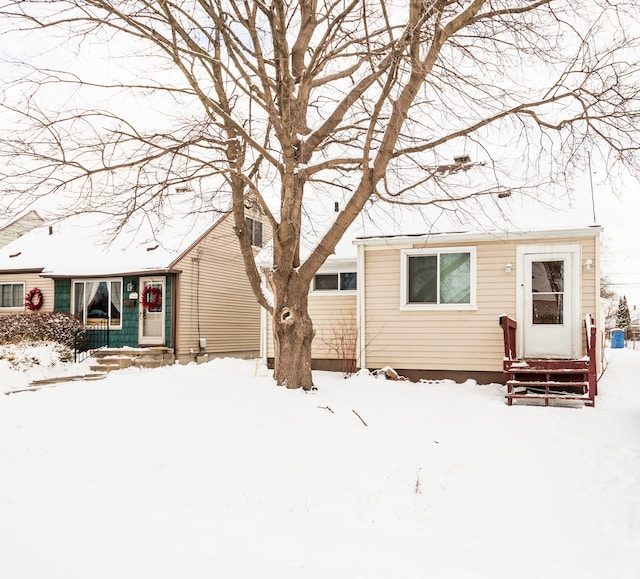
point(14, 228)
point(428, 305)
point(181, 287)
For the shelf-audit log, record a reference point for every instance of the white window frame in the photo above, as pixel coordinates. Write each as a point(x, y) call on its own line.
point(405, 254)
point(251, 221)
point(335, 292)
point(19, 306)
point(108, 281)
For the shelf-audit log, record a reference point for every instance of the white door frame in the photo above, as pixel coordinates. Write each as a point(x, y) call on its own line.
point(158, 339)
point(574, 294)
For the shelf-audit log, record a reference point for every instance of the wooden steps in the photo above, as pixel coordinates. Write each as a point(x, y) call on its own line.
point(538, 381)
point(549, 379)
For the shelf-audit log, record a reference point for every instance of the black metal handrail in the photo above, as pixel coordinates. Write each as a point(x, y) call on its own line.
point(89, 339)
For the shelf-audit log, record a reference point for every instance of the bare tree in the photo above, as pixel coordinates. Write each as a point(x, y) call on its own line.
point(286, 101)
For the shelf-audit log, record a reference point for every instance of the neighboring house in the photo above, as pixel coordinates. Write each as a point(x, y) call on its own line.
point(429, 305)
point(19, 226)
point(184, 287)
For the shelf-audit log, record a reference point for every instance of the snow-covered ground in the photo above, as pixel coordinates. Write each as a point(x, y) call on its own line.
point(212, 471)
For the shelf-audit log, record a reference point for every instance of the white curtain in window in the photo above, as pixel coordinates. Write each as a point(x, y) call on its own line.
point(78, 301)
point(91, 288)
point(116, 301)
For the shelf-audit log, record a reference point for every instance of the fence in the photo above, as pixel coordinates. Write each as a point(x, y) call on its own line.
point(90, 339)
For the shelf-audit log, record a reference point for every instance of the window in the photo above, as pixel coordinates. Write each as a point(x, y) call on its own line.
point(438, 278)
point(12, 295)
point(254, 229)
point(340, 281)
point(547, 289)
point(98, 301)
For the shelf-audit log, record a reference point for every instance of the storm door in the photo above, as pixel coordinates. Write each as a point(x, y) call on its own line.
point(548, 295)
point(152, 312)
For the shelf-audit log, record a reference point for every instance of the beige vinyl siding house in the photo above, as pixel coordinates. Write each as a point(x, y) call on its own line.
point(214, 299)
point(464, 340)
point(334, 321)
point(457, 335)
point(17, 281)
point(332, 307)
point(335, 326)
point(14, 287)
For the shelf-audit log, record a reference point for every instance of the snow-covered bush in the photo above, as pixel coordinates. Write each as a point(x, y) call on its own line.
point(27, 355)
point(39, 327)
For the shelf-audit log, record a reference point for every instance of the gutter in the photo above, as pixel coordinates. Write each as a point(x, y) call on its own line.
point(143, 272)
point(361, 354)
point(473, 236)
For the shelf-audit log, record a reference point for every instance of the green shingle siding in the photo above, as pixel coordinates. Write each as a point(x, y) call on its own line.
point(128, 335)
point(62, 295)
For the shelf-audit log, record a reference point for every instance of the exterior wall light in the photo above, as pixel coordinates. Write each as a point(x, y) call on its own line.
point(508, 268)
point(588, 264)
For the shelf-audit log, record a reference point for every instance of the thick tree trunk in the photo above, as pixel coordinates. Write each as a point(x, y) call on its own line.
point(293, 333)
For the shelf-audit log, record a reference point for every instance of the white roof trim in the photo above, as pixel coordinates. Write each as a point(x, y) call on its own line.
point(468, 236)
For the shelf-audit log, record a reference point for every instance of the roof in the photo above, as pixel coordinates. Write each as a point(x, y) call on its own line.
point(474, 236)
point(82, 246)
point(13, 228)
point(393, 224)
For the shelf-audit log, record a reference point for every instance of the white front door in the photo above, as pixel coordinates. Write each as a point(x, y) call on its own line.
point(151, 311)
point(549, 296)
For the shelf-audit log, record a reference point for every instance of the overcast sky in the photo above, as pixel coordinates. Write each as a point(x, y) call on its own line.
point(620, 216)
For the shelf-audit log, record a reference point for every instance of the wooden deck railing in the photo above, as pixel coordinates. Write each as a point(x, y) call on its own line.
point(525, 378)
point(509, 328)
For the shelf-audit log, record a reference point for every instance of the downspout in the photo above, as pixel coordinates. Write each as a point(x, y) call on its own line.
point(174, 314)
point(599, 314)
point(361, 355)
point(198, 300)
point(263, 328)
point(196, 261)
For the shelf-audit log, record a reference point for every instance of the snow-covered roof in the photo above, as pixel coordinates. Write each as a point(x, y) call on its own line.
point(84, 245)
point(482, 235)
point(385, 223)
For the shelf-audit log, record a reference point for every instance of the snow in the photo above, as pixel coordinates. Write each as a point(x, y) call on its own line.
point(213, 471)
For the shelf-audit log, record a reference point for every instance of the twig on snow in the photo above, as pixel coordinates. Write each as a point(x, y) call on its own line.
point(360, 417)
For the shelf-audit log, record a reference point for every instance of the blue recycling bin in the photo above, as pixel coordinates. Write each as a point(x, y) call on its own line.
point(617, 338)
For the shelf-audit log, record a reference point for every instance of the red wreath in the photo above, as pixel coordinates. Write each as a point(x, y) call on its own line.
point(150, 297)
point(33, 299)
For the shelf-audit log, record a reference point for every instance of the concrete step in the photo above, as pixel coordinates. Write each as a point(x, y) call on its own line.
point(109, 359)
point(105, 368)
point(159, 352)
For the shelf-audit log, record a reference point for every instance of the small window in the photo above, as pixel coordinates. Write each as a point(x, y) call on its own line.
point(438, 278)
point(348, 281)
point(12, 295)
point(340, 281)
point(254, 229)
